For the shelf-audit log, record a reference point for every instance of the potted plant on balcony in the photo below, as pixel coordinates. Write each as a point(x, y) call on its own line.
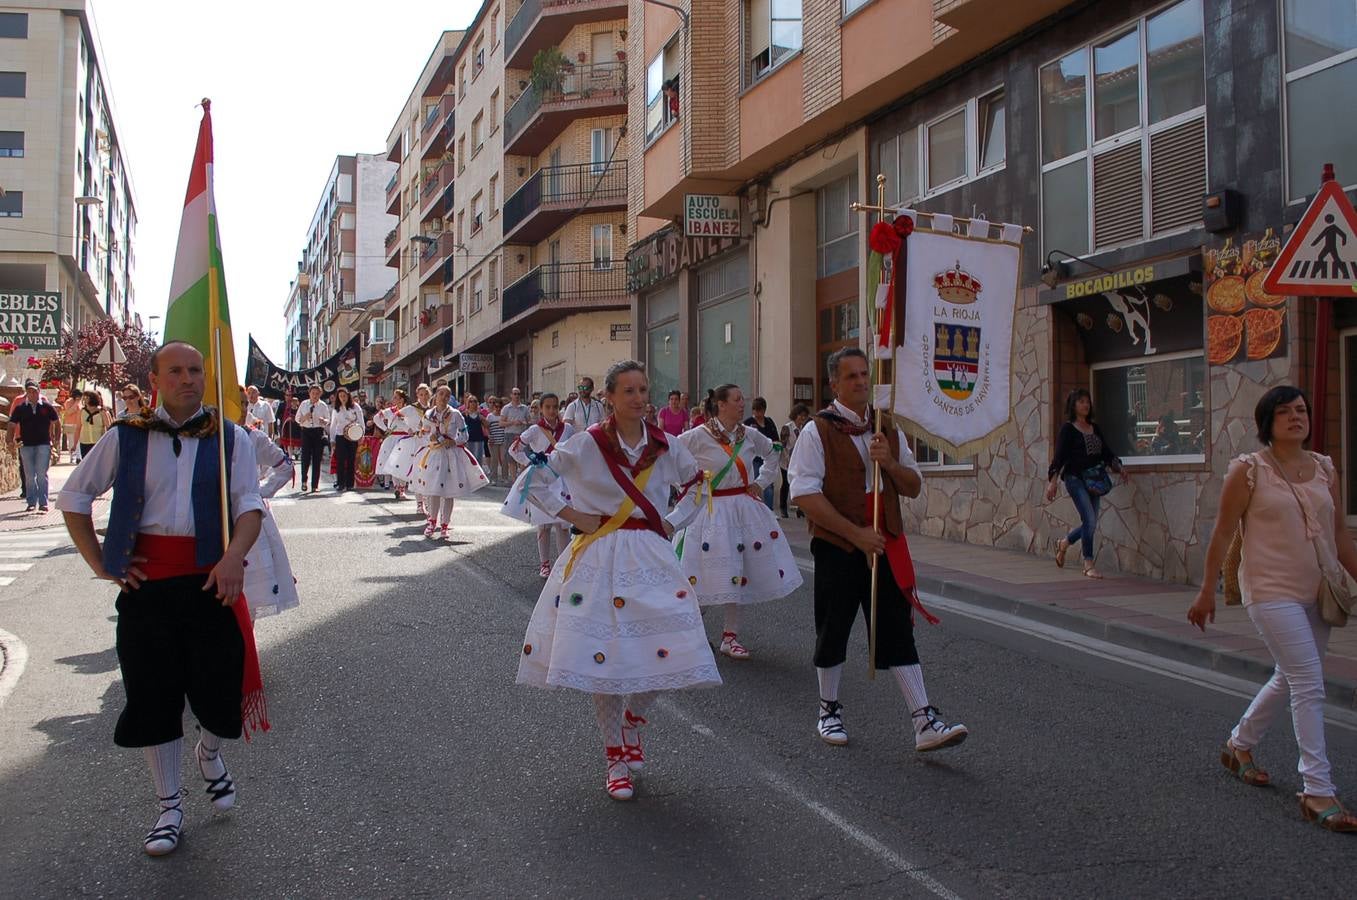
point(548, 70)
point(621, 56)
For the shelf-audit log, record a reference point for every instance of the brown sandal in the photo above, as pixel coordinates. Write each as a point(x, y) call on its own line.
point(1246, 772)
point(1062, 546)
point(1091, 572)
point(1335, 818)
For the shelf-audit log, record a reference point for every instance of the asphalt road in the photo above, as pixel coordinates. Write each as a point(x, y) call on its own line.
point(405, 761)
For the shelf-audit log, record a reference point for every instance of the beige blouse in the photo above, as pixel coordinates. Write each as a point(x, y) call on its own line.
point(1279, 560)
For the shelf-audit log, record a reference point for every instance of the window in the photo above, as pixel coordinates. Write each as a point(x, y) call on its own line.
point(12, 205)
point(494, 194)
point(461, 154)
point(852, 6)
point(600, 148)
point(461, 225)
point(13, 25)
point(492, 276)
point(1320, 50)
point(1123, 150)
point(993, 147)
point(931, 458)
point(601, 246)
point(13, 84)
point(476, 140)
point(555, 338)
point(11, 143)
point(478, 58)
point(460, 295)
point(477, 212)
point(898, 160)
point(946, 145)
point(461, 81)
point(477, 295)
point(1153, 411)
point(346, 260)
point(773, 33)
point(494, 29)
point(346, 220)
point(494, 111)
point(836, 235)
point(662, 90)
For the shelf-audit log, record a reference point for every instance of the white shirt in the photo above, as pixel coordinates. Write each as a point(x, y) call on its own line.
point(593, 490)
point(538, 440)
point(807, 470)
point(313, 415)
point(582, 415)
point(515, 417)
point(341, 418)
point(260, 412)
point(385, 419)
point(711, 456)
point(445, 425)
point(168, 509)
point(275, 466)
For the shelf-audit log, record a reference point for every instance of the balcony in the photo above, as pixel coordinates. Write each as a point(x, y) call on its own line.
point(393, 246)
point(539, 24)
point(393, 193)
point(431, 192)
point(555, 287)
point(430, 146)
point(391, 300)
point(432, 321)
point(538, 118)
point(431, 255)
point(555, 194)
point(449, 131)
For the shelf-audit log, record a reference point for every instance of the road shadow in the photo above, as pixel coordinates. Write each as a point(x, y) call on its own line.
point(93, 663)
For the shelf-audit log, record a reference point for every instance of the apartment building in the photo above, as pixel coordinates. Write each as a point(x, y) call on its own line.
point(1156, 148)
point(418, 339)
point(67, 210)
point(342, 268)
point(297, 331)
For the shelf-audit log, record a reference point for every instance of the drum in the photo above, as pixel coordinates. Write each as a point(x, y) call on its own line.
point(354, 431)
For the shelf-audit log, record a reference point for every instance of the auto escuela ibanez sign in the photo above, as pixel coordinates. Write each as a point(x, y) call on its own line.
point(711, 215)
point(32, 320)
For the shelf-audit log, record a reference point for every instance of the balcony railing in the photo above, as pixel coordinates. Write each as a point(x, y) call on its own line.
point(518, 26)
point(580, 184)
point(576, 83)
point(567, 284)
point(391, 236)
point(431, 183)
point(395, 180)
point(434, 320)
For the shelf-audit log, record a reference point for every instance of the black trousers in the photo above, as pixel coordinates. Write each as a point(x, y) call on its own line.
point(843, 587)
point(346, 453)
point(313, 449)
point(177, 641)
point(782, 493)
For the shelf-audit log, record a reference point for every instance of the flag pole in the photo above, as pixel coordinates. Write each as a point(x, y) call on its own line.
point(221, 411)
point(876, 429)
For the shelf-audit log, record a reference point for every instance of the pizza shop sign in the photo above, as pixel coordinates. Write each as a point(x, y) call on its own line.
point(31, 320)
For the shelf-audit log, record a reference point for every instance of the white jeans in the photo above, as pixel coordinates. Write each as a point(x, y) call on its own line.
point(1297, 639)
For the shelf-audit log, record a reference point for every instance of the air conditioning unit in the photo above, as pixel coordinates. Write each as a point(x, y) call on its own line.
point(381, 331)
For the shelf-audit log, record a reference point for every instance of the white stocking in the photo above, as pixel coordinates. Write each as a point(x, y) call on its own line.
point(208, 752)
point(911, 680)
point(166, 761)
point(445, 516)
point(829, 681)
point(544, 543)
point(732, 618)
point(608, 713)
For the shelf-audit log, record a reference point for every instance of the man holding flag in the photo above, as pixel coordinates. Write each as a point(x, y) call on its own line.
point(185, 511)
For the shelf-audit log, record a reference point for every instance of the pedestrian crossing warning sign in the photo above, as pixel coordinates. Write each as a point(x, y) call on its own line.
point(1320, 256)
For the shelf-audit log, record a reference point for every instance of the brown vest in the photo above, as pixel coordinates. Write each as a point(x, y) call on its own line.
point(845, 481)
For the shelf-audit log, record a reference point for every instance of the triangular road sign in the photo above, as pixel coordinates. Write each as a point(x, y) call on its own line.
point(1320, 256)
point(111, 353)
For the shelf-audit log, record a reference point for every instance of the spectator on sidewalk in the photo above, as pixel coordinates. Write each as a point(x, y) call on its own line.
point(764, 425)
point(132, 400)
point(36, 425)
point(515, 416)
point(258, 412)
point(94, 421)
point(494, 436)
point(585, 409)
point(70, 422)
point(475, 427)
point(1287, 502)
point(674, 417)
point(1082, 460)
point(800, 415)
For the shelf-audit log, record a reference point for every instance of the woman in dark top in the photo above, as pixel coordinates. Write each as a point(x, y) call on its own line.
point(1080, 447)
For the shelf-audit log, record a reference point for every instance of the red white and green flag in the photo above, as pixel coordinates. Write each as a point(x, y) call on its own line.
point(198, 305)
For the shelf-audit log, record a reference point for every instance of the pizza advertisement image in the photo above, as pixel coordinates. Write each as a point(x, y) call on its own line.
point(1245, 322)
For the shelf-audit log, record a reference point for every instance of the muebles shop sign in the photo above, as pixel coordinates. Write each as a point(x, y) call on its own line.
point(32, 321)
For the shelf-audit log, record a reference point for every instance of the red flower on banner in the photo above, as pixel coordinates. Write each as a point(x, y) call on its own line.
point(34, 362)
point(8, 347)
point(904, 226)
point(884, 239)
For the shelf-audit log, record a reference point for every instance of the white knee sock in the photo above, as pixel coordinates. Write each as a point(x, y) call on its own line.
point(911, 681)
point(829, 681)
point(608, 713)
point(562, 539)
point(208, 752)
point(732, 618)
point(166, 761)
point(445, 509)
point(544, 543)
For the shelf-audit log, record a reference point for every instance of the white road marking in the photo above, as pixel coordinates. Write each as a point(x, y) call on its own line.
point(23, 554)
point(858, 835)
point(16, 658)
point(6, 581)
point(15, 567)
point(457, 529)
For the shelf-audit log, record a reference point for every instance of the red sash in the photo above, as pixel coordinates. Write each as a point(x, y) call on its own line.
point(652, 515)
point(730, 492)
point(902, 568)
point(170, 557)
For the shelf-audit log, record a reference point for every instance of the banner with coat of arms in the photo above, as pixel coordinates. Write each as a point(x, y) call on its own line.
point(953, 360)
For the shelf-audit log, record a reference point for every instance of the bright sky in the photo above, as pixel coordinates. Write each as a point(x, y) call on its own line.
point(293, 83)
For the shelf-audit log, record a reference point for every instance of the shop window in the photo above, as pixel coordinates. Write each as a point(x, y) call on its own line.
point(836, 235)
point(1126, 160)
point(661, 308)
point(1153, 411)
point(772, 34)
point(11, 143)
point(1320, 49)
point(662, 90)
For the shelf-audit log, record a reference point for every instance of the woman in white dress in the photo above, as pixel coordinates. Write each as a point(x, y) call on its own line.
point(411, 445)
point(270, 587)
point(533, 450)
point(734, 552)
point(392, 425)
point(446, 469)
point(617, 618)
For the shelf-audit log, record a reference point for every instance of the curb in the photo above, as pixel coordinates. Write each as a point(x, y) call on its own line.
point(1339, 692)
point(13, 660)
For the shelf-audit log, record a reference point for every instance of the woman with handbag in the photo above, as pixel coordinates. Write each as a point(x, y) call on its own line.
point(1293, 593)
point(1083, 460)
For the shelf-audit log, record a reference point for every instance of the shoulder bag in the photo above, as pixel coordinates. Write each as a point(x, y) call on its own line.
point(1335, 601)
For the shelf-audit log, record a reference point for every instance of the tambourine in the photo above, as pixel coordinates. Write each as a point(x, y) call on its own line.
point(353, 431)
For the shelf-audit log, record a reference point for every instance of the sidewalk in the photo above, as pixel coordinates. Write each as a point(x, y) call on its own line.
point(1145, 615)
point(13, 515)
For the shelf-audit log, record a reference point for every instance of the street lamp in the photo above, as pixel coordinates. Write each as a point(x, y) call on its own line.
point(89, 201)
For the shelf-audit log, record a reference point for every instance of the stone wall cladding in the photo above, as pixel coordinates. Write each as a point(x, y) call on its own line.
point(822, 55)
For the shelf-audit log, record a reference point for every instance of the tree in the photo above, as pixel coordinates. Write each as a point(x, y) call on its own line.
point(78, 357)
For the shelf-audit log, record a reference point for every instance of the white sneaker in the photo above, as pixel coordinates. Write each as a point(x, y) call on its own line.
point(163, 838)
point(937, 734)
point(830, 726)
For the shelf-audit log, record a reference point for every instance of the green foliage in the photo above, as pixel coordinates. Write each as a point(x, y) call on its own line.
point(548, 70)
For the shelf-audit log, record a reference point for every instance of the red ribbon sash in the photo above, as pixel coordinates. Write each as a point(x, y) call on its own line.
point(902, 569)
point(652, 515)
